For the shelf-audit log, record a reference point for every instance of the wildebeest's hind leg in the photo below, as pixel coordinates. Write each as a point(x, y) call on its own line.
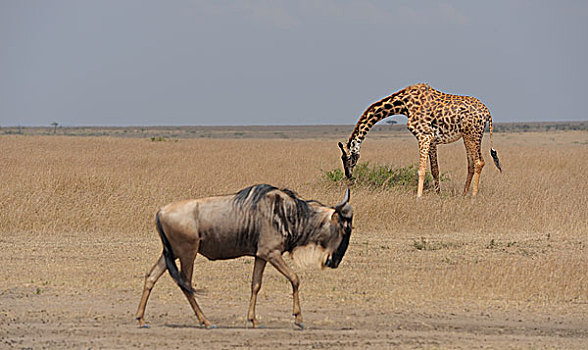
point(255, 287)
point(150, 278)
point(276, 260)
point(187, 266)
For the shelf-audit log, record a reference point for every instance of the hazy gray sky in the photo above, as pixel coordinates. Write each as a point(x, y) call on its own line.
point(284, 62)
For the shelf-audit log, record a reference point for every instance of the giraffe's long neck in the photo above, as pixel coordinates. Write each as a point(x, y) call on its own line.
point(391, 105)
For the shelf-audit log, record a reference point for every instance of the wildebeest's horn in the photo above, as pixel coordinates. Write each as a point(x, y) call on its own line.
point(345, 200)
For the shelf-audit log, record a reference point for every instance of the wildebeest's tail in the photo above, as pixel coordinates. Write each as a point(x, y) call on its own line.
point(170, 260)
point(492, 150)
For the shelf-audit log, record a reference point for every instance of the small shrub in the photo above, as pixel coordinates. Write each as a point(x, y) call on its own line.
point(420, 245)
point(492, 244)
point(336, 175)
point(160, 139)
point(425, 244)
point(383, 176)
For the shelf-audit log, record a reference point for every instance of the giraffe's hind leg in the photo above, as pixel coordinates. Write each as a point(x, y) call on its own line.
point(434, 166)
point(478, 165)
point(475, 162)
point(470, 169)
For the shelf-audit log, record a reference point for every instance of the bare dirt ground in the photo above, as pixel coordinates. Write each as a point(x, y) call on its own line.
point(66, 301)
point(102, 323)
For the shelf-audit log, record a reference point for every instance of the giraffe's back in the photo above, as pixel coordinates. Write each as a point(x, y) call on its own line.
point(447, 116)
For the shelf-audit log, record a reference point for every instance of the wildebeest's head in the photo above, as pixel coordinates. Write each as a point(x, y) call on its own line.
point(332, 240)
point(341, 223)
point(349, 158)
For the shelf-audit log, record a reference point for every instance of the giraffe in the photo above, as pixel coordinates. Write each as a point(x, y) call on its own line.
point(434, 118)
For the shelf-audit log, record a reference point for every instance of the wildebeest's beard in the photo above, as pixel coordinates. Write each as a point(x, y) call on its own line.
point(335, 259)
point(344, 215)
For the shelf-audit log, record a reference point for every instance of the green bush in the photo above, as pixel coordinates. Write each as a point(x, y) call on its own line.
point(383, 176)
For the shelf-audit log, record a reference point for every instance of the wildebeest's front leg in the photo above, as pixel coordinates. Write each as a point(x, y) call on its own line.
point(255, 287)
point(276, 260)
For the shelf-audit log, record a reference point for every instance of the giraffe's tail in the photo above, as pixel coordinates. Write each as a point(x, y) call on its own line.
point(493, 152)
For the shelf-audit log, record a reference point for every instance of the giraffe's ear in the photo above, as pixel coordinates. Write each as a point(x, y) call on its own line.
point(342, 148)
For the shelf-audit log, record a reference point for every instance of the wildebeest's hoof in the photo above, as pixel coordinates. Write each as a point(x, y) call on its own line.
point(142, 323)
point(253, 324)
point(211, 326)
point(300, 325)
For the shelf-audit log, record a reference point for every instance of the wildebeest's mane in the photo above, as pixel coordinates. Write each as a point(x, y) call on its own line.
point(292, 218)
point(246, 197)
point(251, 195)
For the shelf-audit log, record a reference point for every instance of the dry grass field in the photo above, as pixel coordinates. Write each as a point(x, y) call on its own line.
point(507, 269)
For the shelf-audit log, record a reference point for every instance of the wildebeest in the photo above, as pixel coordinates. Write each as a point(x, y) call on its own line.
point(261, 221)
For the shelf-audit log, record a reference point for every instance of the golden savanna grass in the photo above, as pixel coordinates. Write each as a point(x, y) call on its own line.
point(79, 212)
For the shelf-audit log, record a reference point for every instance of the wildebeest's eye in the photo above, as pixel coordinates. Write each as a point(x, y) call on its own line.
point(347, 227)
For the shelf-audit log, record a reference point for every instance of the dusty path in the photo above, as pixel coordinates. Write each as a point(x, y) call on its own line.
point(66, 292)
point(29, 320)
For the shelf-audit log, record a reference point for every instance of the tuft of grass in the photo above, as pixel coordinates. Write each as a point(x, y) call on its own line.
point(383, 176)
point(492, 244)
point(162, 139)
point(420, 245)
point(425, 244)
point(336, 175)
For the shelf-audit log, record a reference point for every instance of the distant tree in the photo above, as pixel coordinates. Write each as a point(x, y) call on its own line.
point(391, 122)
point(54, 125)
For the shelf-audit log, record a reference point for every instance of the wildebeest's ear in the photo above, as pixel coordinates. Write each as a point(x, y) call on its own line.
point(335, 218)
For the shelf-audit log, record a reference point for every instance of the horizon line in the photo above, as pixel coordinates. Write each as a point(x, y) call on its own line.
point(251, 125)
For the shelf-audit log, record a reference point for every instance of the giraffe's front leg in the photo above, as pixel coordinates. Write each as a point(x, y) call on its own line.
point(424, 146)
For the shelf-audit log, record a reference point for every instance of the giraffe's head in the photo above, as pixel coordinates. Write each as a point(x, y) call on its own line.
point(349, 157)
